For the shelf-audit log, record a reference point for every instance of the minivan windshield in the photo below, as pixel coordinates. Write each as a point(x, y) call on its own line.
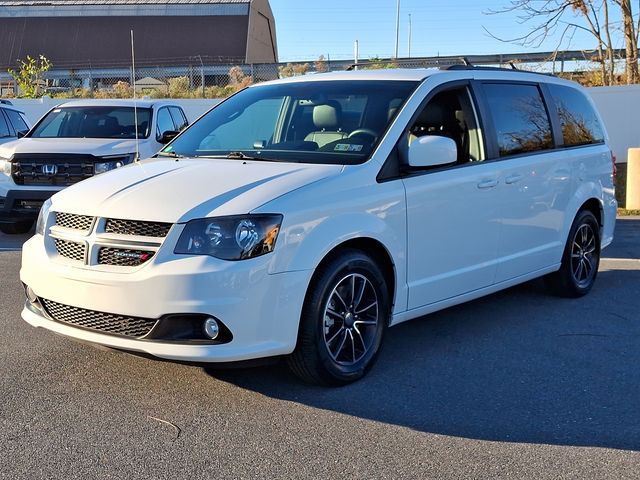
point(93, 122)
point(338, 122)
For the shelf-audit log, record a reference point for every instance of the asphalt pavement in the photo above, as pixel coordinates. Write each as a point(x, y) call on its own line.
point(517, 385)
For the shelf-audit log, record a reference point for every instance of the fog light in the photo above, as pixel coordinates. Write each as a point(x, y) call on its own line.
point(211, 328)
point(31, 295)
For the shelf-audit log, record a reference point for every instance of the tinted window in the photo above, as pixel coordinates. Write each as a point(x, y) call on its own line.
point(165, 122)
point(580, 125)
point(520, 118)
point(4, 128)
point(179, 119)
point(18, 122)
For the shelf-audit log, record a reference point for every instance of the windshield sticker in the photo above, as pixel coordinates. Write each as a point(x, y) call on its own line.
point(345, 147)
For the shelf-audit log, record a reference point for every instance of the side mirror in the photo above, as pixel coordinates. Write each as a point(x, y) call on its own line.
point(432, 151)
point(167, 136)
point(22, 133)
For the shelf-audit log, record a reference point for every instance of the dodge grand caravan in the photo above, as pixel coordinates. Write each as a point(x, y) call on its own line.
point(302, 217)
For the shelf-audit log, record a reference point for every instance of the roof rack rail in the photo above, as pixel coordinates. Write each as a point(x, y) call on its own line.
point(495, 69)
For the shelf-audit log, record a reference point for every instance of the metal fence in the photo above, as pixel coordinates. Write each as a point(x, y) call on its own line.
point(217, 80)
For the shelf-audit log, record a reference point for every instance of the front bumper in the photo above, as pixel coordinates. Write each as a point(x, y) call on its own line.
point(20, 205)
point(261, 310)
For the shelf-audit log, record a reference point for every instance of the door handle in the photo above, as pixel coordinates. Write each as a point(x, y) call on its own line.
point(488, 184)
point(513, 179)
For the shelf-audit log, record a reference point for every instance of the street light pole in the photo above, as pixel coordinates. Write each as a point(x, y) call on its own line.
point(397, 28)
point(409, 55)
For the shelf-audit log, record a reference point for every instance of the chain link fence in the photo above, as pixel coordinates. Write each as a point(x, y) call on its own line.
point(202, 80)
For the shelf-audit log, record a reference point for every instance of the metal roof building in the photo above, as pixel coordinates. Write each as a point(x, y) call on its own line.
point(167, 32)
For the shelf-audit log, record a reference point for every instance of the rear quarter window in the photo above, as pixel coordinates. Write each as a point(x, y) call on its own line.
point(520, 118)
point(578, 119)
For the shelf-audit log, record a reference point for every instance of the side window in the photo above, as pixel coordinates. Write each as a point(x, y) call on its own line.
point(16, 119)
point(179, 118)
point(451, 114)
point(579, 122)
point(4, 128)
point(519, 117)
point(165, 122)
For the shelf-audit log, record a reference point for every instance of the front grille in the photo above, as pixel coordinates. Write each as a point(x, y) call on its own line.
point(28, 204)
point(74, 222)
point(136, 227)
point(100, 321)
point(72, 250)
point(51, 170)
point(123, 257)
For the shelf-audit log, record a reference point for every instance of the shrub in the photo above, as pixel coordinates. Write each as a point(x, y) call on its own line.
point(29, 76)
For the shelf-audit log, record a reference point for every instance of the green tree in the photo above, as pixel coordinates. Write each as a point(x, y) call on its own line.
point(29, 75)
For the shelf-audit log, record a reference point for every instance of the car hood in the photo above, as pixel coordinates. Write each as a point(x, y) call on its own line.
point(179, 191)
point(99, 147)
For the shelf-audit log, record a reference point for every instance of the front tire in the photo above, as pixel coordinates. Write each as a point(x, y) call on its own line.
point(580, 259)
point(16, 228)
point(344, 317)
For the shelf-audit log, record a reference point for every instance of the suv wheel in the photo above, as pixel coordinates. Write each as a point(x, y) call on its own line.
point(344, 318)
point(580, 259)
point(16, 228)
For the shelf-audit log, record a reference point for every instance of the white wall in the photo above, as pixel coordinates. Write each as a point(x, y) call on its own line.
point(620, 110)
point(34, 109)
point(619, 107)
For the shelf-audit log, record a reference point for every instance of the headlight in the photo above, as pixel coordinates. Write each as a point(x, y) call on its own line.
point(42, 217)
point(230, 238)
point(5, 166)
point(113, 163)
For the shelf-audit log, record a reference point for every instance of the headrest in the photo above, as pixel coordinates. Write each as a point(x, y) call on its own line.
point(327, 116)
point(431, 116)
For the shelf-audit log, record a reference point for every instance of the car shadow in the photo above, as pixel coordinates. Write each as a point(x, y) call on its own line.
point(516, 366)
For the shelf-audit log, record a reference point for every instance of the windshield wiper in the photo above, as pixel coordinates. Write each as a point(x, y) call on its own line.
point(169, 154)
point(244, 156)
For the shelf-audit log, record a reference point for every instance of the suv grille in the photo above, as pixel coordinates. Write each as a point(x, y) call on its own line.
point(135, 227)
point(72, 250)
point(123, 257)
point(103, 322)
point(52, 170)
point(75, 222)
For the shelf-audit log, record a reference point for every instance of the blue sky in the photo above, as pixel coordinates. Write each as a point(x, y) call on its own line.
point(309, 28)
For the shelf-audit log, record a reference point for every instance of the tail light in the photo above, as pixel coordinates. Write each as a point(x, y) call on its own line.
point(614, 170)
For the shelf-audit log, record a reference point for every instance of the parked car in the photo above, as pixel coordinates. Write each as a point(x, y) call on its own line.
point(13, 122)
point(75, 141)
point(307, 215)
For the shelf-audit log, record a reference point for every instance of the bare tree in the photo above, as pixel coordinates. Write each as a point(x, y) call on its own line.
point(547, 18)
point(630, 32)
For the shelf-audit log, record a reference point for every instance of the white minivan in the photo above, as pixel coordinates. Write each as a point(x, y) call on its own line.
point(302, 217)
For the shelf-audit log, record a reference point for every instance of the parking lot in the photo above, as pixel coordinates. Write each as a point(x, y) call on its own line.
point(516, 385)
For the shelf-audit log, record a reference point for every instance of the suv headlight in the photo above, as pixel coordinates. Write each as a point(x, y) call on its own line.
point(112, 162)
point(42, 217)
point(235, 237)
point(5, 166)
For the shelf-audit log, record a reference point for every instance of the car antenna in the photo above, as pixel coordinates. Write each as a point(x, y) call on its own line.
point(135, 104)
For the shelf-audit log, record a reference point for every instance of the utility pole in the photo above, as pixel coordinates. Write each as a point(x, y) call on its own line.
point(409, 36)
point(355, 53)
point(397, 29)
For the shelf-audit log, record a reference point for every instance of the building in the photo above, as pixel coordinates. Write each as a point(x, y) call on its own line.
point(96, 33)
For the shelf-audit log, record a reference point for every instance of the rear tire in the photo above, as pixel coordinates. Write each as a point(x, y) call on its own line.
point(580, 259)
point(16, 228)
point(344, 317)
